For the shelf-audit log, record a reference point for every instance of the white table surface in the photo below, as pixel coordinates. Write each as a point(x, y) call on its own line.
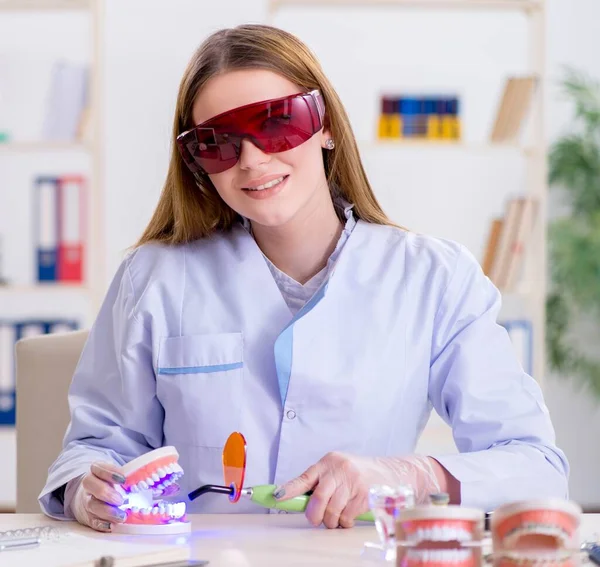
point(264, 540)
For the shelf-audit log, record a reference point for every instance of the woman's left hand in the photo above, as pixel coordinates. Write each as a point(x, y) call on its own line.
point(341, 483)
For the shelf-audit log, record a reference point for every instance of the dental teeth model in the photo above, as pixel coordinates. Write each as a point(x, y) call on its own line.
point(446, 526)
point(536, 525)
point(149, 478)
point(439, 535)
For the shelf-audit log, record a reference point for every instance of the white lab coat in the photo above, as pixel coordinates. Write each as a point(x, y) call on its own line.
point(194, 342)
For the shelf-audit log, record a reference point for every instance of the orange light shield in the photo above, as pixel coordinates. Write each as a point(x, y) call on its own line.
point(234, 464)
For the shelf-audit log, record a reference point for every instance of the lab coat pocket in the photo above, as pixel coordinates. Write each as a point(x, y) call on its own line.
point(199, 383)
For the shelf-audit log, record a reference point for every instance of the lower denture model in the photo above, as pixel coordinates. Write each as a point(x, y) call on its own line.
point(148, 479)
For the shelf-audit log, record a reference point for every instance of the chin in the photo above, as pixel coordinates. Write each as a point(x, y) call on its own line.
point(271, 213)
point(271, 219)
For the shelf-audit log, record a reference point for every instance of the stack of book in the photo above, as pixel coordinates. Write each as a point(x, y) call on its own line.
point(507, 242)
point(421, 117)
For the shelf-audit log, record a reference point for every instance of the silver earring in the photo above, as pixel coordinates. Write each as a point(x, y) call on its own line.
point(330, 144)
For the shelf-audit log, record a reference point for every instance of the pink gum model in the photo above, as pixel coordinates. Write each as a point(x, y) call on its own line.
point(147, 479)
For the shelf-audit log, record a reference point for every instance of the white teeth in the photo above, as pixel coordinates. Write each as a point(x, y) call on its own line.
point(449, 556)
point(142, 485)
point(161, 472)
point(440, 533)
point(169, 469)
point(134, 488)
point(155, 511)
point(170, 509)
point(267, 185)
point(135, 509)
point(149, 481)
point(155, 477)
point(145, 511)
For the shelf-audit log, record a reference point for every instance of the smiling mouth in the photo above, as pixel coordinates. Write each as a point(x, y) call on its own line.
point(269, 185)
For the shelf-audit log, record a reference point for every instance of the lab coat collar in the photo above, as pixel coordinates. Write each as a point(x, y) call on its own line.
point(346, 208)
point(351, 226)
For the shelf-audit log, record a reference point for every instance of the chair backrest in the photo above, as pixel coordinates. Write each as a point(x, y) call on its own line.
point(44, 368)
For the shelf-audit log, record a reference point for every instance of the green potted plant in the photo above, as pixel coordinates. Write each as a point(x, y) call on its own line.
point(574, 239)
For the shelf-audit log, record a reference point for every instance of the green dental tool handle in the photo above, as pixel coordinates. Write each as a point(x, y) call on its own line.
point(263, 496)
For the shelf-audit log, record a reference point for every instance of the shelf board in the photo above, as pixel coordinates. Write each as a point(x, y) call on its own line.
point(442, 145)
point(510, 5)
point(43, 146)
point(44, 5)
point(43, 288)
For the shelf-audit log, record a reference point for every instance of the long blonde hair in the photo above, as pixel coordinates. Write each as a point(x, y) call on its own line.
point(186, 210)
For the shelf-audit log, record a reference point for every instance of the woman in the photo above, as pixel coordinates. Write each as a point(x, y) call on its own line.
point(271, 295)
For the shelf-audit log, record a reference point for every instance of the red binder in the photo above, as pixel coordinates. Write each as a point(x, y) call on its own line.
point(71, 215)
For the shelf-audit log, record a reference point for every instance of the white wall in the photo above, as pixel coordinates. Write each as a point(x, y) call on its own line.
point(364, 51)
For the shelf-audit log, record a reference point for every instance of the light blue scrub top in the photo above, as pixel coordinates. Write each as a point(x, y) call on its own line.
point(196, 341)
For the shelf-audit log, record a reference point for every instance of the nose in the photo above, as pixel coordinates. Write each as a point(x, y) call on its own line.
point(251, 156)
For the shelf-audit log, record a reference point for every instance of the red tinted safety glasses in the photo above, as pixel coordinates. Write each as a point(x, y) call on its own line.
point(274, 126)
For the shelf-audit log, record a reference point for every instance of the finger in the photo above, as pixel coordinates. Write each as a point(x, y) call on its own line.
point(108, 472)
point(337, 503)
point(315, 510)
point(100, 525)
point(355, 507)
point(299, 485)
point(106, 512)
point(101, 490)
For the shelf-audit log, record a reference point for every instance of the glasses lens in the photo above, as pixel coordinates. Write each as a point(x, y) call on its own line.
point(273, 126)
point(286, 124)
point(234, 464)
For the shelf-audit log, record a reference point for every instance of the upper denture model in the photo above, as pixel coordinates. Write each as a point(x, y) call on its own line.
point(148, 479)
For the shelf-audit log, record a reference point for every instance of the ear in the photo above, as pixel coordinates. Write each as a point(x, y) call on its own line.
point(325, 132)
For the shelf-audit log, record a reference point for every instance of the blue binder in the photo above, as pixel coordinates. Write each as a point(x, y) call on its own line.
point(46, 227)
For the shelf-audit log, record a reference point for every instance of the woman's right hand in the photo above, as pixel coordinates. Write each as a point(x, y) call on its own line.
point(96, 503)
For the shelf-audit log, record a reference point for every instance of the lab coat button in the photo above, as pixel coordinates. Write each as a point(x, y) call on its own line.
point(291, 414)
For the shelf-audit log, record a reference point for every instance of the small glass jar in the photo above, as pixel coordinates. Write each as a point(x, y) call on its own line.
point(385, 503)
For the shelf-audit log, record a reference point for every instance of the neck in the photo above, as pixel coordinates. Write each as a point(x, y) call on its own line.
point(302, 246)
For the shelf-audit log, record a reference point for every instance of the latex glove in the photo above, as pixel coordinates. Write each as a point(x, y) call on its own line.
point(341, 483)
point(96, 501)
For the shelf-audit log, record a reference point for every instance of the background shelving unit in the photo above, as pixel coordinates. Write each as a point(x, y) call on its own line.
point(46, 5)
point(530, 293)
point(522, 5)
point(30, 147)
point(23, 297)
